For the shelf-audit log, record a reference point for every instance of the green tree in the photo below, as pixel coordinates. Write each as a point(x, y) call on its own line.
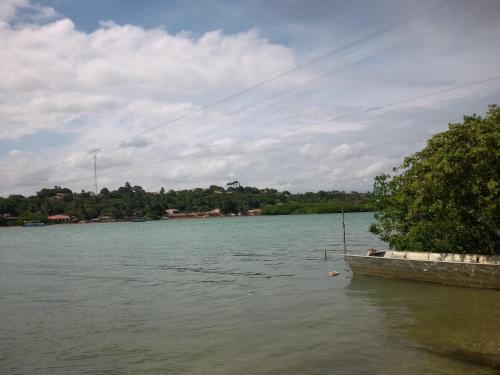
point(133, 199)
point(229, 206)
point(445, 197)
point(104, 191)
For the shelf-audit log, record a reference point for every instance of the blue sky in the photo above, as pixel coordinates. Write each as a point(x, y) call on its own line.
point(81, 75)
point(274, 19)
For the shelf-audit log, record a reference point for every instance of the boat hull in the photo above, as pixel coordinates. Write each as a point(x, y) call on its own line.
point(477, 275)
point(33, 225)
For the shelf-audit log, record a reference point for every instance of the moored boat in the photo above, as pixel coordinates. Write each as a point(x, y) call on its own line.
point(470, 270)
point(33, 223)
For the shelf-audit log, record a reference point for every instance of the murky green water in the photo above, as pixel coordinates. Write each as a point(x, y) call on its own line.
point(226, 296)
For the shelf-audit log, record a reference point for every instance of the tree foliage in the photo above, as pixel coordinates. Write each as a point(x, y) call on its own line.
point(445, 198)
point(128, 201)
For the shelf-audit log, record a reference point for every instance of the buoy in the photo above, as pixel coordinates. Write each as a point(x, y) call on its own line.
point(333, 273)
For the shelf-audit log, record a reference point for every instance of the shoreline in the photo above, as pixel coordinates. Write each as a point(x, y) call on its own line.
point(186, 217)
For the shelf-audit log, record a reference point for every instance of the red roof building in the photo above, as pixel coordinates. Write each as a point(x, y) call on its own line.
point(59, 218)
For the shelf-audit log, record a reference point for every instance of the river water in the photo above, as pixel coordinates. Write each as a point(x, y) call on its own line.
point(247, 295)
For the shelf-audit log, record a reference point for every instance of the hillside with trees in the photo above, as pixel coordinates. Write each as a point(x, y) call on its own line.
point(129, 201)
point(445, 198)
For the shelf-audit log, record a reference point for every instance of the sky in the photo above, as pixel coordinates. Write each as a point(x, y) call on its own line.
point(294, 95)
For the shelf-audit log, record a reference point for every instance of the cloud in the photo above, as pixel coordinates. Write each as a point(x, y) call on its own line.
point(54, 73)
point(24, 10)
point(116, 58)
point(103, 87)
point(136, 142)
point(26, 114)
point(8, 8)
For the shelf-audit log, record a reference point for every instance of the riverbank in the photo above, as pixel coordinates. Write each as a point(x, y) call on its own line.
point(172, 214)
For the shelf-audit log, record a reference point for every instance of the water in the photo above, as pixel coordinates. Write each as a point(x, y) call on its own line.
point(226, 296)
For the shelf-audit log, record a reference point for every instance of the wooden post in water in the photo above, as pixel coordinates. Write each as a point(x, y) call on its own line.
point(343, 226)
point(325, 255)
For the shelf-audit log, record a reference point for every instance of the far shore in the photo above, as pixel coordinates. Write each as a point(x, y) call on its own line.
point(178, 216)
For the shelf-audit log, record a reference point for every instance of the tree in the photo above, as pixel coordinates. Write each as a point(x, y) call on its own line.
point(229, 206)
point(447, 196)
point(155, 210)
point(104, 191)
point(127, 200)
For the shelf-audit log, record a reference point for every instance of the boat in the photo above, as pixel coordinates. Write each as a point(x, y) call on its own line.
point(138, 219)
point(469, 270)
point(33, 223)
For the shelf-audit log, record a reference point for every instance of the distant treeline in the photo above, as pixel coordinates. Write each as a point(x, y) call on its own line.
point(128, 201)
point(316, 208)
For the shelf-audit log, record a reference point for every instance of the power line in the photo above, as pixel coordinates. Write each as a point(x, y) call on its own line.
point(359, 61)
point(290, 130)
point(326, 75)
point(281, 75)
point(329, 73)
point(249, 89)
point(376, 108)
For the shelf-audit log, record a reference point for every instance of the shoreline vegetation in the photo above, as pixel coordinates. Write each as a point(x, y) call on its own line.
point(446, 197)
point(133, 203)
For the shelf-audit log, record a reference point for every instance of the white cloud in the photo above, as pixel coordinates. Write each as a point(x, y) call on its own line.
point(11, 9)
point(136, 142)
point(54, 73)
point(100, 88)
point(8, 8)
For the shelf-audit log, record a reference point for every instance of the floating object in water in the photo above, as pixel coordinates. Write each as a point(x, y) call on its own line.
point(333, 273)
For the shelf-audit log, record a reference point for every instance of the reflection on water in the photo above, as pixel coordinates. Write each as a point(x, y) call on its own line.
point(226, 296)
point(460, 324)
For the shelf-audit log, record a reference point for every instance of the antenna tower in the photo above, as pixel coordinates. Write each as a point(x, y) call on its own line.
point(95, 173)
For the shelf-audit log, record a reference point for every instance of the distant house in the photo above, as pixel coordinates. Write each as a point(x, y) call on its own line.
point(103, 219)
point(171, 211)
point(59, 219)
point(175, 214)
point(214, 212)
point(254, 212)
point(58, 197)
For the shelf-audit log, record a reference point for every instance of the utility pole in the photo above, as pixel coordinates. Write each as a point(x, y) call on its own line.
point(95, 173)
point(343, 225)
